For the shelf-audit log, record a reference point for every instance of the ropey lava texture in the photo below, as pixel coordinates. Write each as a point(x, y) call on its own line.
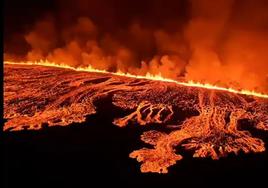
point(207, 122)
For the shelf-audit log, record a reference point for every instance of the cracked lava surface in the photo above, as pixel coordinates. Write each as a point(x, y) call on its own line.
point(207, 122)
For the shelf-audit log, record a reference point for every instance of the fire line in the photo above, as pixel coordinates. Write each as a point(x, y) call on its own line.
point(148, 76)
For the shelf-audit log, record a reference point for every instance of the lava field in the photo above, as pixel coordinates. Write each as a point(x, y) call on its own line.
point(207, 122)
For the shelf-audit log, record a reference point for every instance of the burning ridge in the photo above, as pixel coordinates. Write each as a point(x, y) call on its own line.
point(206, 121)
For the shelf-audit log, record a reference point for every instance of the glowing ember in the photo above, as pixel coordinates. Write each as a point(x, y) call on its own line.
point(147, 76)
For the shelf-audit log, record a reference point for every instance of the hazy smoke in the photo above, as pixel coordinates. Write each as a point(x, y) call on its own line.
point(222, 42)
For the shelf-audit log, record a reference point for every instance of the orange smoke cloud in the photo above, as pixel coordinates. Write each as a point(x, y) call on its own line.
point(228, 49)
point(220, 42)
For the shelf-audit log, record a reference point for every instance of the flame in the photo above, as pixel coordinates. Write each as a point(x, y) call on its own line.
point(148, 76)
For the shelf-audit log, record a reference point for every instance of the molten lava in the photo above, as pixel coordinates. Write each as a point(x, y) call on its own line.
point(147, 76)
point(207, 120)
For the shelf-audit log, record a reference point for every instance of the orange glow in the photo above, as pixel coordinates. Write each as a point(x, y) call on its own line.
point(147, 76)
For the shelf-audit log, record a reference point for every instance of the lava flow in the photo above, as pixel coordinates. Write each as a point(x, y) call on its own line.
point(207, 120)
point(147, 76)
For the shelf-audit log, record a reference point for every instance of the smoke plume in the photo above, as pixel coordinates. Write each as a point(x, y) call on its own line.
point(222, 42)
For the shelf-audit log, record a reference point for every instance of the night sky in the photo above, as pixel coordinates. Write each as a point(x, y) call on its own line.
point(109, 15)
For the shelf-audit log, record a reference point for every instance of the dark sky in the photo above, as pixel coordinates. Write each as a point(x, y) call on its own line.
point(101, 11)
point(108, 15)
point(19, 17)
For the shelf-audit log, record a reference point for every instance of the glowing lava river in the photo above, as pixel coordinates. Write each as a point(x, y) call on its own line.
point(207, 120)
